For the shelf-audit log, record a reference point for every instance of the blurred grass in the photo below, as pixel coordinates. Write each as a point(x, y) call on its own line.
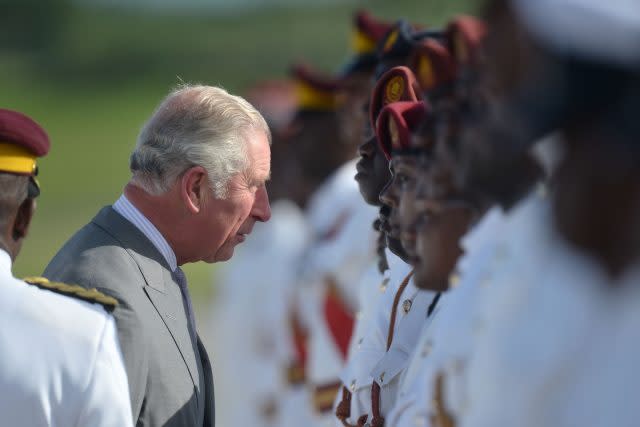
point(107, 70)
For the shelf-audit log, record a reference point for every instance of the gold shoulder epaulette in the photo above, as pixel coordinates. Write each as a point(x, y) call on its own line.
point(90, 295)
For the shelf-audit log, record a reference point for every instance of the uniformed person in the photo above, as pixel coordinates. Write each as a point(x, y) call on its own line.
point(437, 213)
point(344, 247)
point(548, 336)
point(322, 304)
point(61, 361)
point(360, 398)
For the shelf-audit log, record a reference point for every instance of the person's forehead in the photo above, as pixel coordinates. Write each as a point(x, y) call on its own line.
point(259, 153)
point(405, 161)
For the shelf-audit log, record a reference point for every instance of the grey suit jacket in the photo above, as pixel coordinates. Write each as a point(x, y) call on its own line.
point(169, 373)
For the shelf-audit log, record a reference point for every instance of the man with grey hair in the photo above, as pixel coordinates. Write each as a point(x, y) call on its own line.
point(197, 189)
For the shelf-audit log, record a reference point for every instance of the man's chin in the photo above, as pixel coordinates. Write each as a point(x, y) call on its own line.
point(223, 254)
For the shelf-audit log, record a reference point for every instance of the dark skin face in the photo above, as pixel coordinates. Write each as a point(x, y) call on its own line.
point(16, 227)
point(372, 176)
point(404, 169)
point(389, 213)
point(410, 173)
point(595, 197)
point(442, 218)
point(373, 168)
point(305, 156)
point(392, 238)
point(493, 163)
point(401, 190)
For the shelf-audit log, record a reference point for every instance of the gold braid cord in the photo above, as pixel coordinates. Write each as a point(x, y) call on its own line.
point(90, 295)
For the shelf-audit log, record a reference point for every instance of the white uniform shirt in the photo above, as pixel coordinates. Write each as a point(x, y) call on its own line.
point(559, 341)
point(605, 382)
point(445, 341)
point(371, 344)
point(61, 361)
point(343, 250)
point(411, 317)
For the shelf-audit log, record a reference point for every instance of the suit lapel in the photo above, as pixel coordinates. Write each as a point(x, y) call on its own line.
point(160, 287)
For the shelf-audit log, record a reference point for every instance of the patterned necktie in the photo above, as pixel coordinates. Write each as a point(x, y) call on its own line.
point(181, 279)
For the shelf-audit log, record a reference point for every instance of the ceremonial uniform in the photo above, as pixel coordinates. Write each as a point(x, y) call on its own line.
point(556, 346)
point(342, 253)
point(535, 318)
point(61, 360)
point(255, 296)
point(433, 387)
point(370, 340)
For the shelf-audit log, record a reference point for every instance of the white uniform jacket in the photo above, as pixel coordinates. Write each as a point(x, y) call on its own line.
point(61, 361)
point(434, 384)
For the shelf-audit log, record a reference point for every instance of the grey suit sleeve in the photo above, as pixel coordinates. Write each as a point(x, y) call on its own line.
point(130, 332)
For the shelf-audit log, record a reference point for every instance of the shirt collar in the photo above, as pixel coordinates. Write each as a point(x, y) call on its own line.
point(125, 208)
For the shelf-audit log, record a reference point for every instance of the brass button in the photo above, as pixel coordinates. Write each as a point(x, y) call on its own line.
point(406, 306)
point(352, 387)
point(382, 376)
point(360, 342)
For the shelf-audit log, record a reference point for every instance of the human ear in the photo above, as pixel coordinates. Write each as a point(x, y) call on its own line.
point(23, 219)
point(193, 188)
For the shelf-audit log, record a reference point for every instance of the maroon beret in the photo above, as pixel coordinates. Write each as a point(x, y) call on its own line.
point(315, 90)
point(368, 31)
point(22, 140)
point(433, 64)
point(397, 84)
point(396, 123)
point(465, 35)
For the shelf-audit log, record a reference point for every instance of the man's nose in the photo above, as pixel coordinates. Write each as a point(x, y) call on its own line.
point(261, 208)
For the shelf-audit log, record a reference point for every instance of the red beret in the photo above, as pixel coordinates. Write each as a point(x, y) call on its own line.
point(22, 140)
point(396, 123)
point(314, 90)
point(432, 64)
point(368, 31)
point(464, 35)
point(397, 84)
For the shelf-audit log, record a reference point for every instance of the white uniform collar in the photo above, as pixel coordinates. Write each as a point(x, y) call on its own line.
point(125, 208)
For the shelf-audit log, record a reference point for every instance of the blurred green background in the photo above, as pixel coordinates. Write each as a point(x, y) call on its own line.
point(92, 72)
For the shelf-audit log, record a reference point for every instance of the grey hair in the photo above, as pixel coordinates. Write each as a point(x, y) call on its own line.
point(195, 125)
point(14, 192)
